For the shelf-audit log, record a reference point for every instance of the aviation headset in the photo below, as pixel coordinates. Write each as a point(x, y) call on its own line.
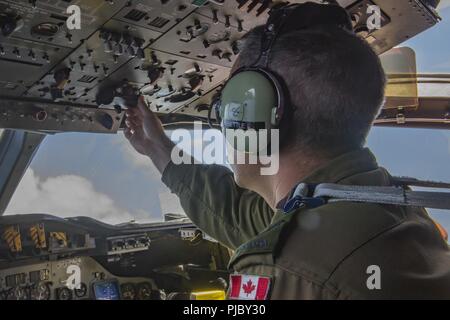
point(256, 98)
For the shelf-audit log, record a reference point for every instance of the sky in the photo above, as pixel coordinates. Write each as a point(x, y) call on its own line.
point(101, 176)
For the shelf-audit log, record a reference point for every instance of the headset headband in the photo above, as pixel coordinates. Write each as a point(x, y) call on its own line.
point(284, 19)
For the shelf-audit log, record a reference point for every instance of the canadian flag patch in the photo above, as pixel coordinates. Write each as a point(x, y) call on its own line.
point(245, 287)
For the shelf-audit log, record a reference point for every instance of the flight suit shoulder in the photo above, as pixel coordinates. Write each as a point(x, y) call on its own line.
point(255, 260)
point(318, 240)
point(301, 249)
point(263, 244)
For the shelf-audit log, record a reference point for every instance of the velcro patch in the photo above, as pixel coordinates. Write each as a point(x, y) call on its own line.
point(246, 287)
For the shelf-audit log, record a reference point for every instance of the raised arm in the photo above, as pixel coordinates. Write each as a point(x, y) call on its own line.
point(208, 193)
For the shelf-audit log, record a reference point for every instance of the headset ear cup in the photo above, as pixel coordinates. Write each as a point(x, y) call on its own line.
point(217, 111)
point(279, 91)
point(216, 105)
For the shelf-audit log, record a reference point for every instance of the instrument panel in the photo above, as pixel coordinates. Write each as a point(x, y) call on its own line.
point(174, 52)
point(43, 257)
point(77, 278)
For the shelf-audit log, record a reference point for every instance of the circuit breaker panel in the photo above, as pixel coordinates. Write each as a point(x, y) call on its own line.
point(176, 53)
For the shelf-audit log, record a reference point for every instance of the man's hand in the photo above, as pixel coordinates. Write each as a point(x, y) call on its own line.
point(146, 134)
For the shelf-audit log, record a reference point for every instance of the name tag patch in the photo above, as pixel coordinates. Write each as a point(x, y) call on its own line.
point(246, 287)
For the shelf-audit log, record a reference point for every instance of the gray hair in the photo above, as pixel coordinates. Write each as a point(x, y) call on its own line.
point(335, 85)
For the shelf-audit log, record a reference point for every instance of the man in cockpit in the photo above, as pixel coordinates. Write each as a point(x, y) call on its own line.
point(290, 250)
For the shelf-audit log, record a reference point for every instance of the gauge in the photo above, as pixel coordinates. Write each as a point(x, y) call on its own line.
point(199, 29)
point(189, 73)
point(63, 294)
point(193, 32)
point(17, 293)
point(82, 291)
point(219, 37)
point(185, 95)
point(128, 291)
point(40, 291)
point(150, 89)
point(165, 92)
point(144, 291)
point(46, 29)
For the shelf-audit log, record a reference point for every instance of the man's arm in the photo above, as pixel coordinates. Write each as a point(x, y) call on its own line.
point(214, 202)
point(208, 194)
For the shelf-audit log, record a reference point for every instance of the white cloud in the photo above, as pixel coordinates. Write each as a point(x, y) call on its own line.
point(138, 160)
point(64, 196)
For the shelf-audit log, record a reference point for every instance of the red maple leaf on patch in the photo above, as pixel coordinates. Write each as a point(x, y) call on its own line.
point(248, 287)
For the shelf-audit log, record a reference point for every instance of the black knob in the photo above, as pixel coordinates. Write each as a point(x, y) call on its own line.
point(140, 53)
point(107, 45)
point(235, 47)
point(217, 53)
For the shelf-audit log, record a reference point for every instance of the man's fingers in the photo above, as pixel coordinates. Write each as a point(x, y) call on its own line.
point(127, 133)
point(142, 107)
point(133, 122)
point(136, 112)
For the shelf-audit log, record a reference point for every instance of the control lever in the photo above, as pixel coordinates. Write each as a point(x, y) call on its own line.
point(122, 96)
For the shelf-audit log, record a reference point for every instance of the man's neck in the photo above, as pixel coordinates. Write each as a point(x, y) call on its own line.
point(292, 170)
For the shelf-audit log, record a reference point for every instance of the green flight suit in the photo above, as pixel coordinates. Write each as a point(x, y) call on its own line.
point(321, 253)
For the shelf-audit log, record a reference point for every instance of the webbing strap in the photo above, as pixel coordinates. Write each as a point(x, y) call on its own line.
point(383, 195)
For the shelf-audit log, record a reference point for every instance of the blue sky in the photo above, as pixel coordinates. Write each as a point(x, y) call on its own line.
point(101, 176)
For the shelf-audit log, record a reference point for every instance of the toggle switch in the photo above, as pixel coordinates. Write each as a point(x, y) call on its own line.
point(16, 51)
point(227, 21)
point(105, 69)
point(240, 28)
point(46, 57)
point(32, 55)
point(118, 49)
point(217, 53)
point(69, 37)
point(215, 17)
point(227, 55)
point(131, 52)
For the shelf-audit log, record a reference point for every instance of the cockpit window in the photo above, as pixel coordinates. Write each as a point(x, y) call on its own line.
point(102, 177)
point(94, 175)
point(432, 54)
point(418, 153)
